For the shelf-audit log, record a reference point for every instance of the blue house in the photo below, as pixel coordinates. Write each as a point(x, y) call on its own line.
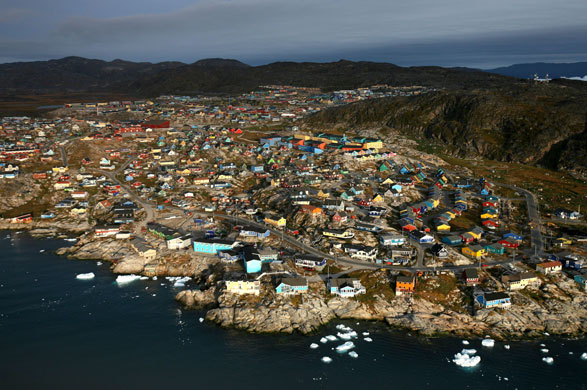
point(581, 281)
point(257, 168)
point(255, 232)
point(494, 299)
point(212, 245)
point(291, 286)
point(514, 236)
point(452, 240)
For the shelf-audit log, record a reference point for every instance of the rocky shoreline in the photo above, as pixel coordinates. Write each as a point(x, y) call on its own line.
point(564, 313)
point(270, 313)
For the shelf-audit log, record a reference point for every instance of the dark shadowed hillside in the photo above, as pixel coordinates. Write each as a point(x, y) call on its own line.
point(525, 122)
point(554, 70)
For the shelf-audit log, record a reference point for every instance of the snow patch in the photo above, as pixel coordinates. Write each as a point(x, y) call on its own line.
point(89, 275)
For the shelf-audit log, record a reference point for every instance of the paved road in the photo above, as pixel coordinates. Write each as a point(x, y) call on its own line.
point(63, 155)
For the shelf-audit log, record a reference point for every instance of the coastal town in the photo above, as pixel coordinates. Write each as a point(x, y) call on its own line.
point(270, 225)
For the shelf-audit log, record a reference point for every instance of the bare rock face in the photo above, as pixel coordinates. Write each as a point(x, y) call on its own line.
point(130, 265)
point(197, 299)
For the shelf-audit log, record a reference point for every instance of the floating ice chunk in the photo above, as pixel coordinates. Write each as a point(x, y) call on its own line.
point(89, 275)
point(507, 346)
point(584, 356)
point(465, 342)
point(143, 278)
point(546, 334)
point(326, 359)
point(41, 251)
point(345, 347)
point(99, 263)
point(347, 335)
point(544, 350)
point(180, 282)
point(365, 333)
point(154, 278)
point(489, 343)
point(543, 345)
point(314, 345)
point(465, 360)
point(70, 239)
point(548, 360)
point(368, 339)
point(343, 327)
point(127, 278)
point(353, 354)
point(323, 340)
point(468, 351)
point(201, 319)
point(331, 338)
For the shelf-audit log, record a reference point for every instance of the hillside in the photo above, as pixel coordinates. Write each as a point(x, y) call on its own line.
point(554, 70)
point(76, 74)
point(543, 124)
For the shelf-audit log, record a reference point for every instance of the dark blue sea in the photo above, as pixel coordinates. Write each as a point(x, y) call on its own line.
point(60, 332)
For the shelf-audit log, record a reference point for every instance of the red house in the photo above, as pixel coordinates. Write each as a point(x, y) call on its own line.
point(156, 124)
point(509, 243)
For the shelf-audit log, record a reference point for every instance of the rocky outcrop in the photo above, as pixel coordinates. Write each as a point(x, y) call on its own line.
point(270, 313)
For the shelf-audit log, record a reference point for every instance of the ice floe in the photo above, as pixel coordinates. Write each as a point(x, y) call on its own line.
point(368, 339)
point(353, 354)
point(41, 251)
point(99, 263)
point(127, 278)
point(365, 333)
point(89, 275)
point(584, 356)
point(507, 346)
point(201, 319)
point(178, 281)
point(544, 350)
point(489, 343)
point(70, 239)
point(345, 347)
point(343, 328)
point(465, 360)
point(331, 338)
point(465, 342)
point(323, 340)
point(143, 278)
point(468, 351)
point(326, 359)
point(548, 360)
point(314, 345)
point(347, 335)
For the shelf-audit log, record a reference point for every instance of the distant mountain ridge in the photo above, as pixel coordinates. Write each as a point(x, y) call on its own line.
point(217, 75)
point(554, 70)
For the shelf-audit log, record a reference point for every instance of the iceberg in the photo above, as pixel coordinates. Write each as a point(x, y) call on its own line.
point(365, 333)
point(154, 278)
point(178, 281)
point(201, 319)
point(345, 347)
point(489, 343)
point(353, 354)
point(323, 340)
point(368, 339)
point(468, 351)
point(326, 359)
point(507, 346)
point(331, 338)
point(465, 342)
point(41, 251)
point(465, 360)
point(548, 360)
point(544, 350)
point(348, 335)
point(99, 263)
point(314, 345)
point(127, 278)
point(89, 275)
point(584, 356)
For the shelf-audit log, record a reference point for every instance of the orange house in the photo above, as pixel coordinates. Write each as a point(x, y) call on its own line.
point(309, 209)
point(405, 284)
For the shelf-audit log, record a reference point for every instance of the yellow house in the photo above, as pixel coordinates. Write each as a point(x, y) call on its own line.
point(473, 251)
point(460, 201)
point(275, 221)
point(452, 215)
point(444, 227)
point(563, 241)
point(323, 195)
point(520, 281)
point(373, 145)
point(388, 181)
point(488, 215)
point(377, 198)
point(60, 169)
point(243, 287)
point(78, 210)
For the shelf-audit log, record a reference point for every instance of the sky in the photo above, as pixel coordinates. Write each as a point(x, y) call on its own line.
point(473, 33)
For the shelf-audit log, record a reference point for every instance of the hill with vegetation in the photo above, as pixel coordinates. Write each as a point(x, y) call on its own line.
point(541, 124)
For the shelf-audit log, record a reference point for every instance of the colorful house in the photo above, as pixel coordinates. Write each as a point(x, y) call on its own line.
point(475, 251)
point(405, 284)
point(549, 267)
point(471, 276)
point(494, 300)
point(346, 287)
point(291, 286)
point(520, 281)
point(212, 245)
point(495, 248)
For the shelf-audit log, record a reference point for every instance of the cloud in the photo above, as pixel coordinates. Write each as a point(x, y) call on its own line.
point(267, 30)
point(14, 15)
